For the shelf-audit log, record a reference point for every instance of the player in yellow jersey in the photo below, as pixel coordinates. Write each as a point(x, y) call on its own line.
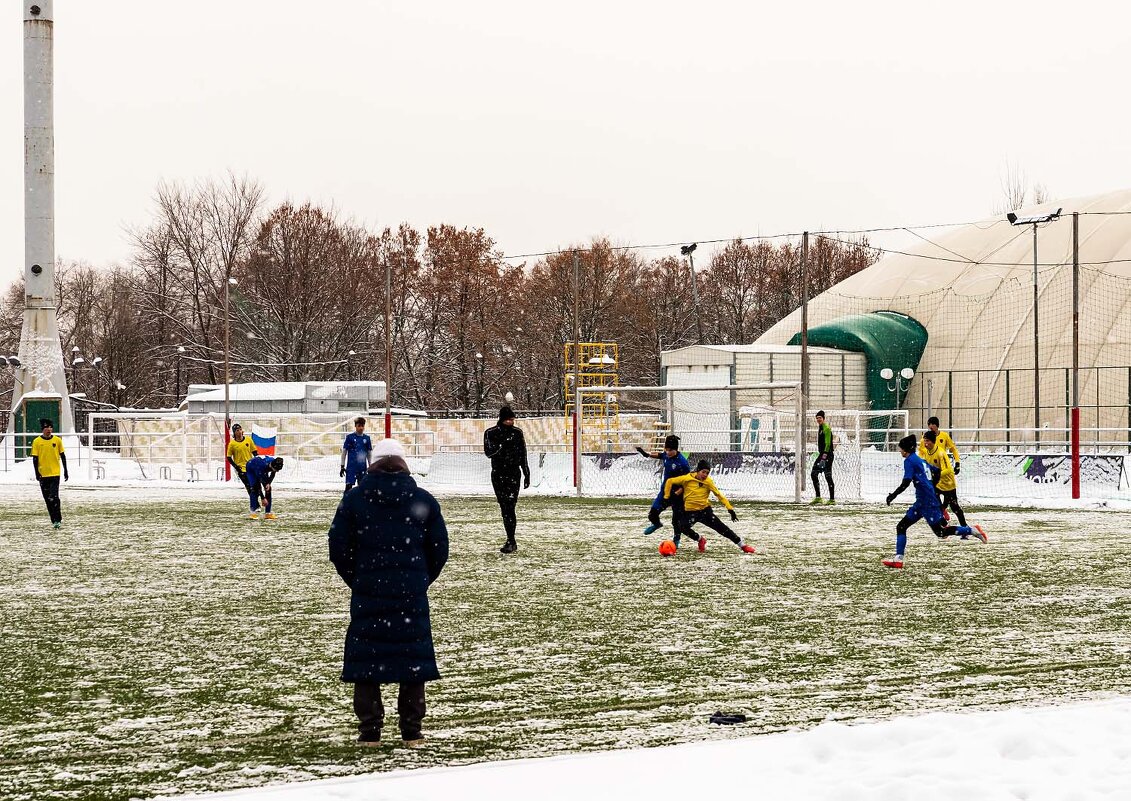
point(931, 452)
point(697, 489)
point(240, 451)
point(946, 443)
point(48, 460)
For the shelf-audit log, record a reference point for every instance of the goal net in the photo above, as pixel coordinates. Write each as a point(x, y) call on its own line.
point(750, 433)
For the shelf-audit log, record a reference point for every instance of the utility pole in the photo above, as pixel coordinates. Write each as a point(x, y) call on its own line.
point(389, 334)
point(1076, 354)
point(688, 250)
point(227, 371)
point(1036, 346)
point(804, 424)
point(577, 433)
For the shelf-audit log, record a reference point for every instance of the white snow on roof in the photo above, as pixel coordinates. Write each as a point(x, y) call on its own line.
point(278, 390)
point(758, 347)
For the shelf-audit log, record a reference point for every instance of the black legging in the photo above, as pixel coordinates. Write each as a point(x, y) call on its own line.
point(828, 471)
point(685, 521)
point(49, 486)
point(949, 499)
point(506, 484)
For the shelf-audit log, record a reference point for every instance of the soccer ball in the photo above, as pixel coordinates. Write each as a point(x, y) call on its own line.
point(667, 548)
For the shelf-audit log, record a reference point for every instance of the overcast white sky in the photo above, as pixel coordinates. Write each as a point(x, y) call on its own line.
point(548, 124)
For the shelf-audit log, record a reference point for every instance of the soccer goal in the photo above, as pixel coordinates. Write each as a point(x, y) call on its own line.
point(752, 434)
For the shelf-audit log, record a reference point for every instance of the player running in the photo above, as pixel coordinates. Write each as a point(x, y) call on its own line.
point(261, 472)
point(697, 488)
point(824, 463)
point(675, 464)
point(47, 457)
point(357, 453)
point(926, 504)
point(240, 450)
point(942, 473)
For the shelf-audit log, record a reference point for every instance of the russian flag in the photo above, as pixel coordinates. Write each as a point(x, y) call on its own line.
point(264, 439)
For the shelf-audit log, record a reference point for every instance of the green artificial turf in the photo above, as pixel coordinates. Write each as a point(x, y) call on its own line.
point(162, 644)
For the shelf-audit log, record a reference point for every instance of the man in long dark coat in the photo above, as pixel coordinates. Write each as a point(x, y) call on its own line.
point(389, 542)
point(505, 446)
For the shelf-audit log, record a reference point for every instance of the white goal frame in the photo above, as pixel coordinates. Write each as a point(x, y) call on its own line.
point(784, 386)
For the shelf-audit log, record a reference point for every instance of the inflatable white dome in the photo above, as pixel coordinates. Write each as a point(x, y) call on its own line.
point(971, 287)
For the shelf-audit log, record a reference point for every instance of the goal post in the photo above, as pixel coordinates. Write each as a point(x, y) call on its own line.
point(752, 433)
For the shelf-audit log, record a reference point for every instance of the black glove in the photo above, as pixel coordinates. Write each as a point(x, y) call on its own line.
point(891, 498)
point(66, 476)
point(821, 460)
point(342, 472)
point(957, 469)
point(526, 481)
point(642, 452)
point(733, 516)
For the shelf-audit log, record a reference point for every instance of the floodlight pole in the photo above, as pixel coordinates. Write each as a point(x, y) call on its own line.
point(1076, 355)
point(1035, 221)
point(804, 423)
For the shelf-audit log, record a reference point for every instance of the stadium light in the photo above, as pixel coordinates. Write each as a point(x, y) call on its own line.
point(14, 361)
point(1035, 220)
point(687, 250)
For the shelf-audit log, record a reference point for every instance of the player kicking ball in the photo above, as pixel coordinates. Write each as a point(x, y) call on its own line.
point(674, 464)
point(697, 489)
point(926, 506)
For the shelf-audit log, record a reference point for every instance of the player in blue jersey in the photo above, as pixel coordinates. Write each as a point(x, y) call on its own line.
point(261, 472)
point(926, 506)
point(357, 452)
point(675, 464)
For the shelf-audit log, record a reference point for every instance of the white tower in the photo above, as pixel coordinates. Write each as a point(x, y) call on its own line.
point(41, 385)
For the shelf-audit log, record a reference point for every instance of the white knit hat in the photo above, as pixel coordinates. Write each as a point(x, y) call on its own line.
point(387, 447)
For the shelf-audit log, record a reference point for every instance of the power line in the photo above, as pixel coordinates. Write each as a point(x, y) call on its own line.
point(266, 364)
point(756, 238)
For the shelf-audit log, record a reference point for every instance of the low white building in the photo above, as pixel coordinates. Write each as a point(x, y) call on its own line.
point(289, 397)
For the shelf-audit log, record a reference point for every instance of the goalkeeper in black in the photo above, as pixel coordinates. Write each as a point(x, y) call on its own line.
point(505, 446)
point(824, 463)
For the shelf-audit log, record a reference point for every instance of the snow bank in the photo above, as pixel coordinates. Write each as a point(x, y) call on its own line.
point(1081, 751)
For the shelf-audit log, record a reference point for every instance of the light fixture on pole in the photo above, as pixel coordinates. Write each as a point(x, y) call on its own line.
point(1035, 220)
point(898, 383)
point(688, 250)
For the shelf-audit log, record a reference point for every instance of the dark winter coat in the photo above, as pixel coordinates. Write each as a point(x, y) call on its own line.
point(389, 542)
point(506, 447)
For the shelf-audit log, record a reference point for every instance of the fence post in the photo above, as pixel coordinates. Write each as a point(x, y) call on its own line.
point(90, 434)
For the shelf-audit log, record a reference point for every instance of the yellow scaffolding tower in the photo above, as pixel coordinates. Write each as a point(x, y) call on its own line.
point(594, 364)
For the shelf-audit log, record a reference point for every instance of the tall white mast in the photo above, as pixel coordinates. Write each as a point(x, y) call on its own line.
point(41, 373)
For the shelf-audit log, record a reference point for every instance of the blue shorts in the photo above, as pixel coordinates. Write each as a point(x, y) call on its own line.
point(932, 513)
point(354, 474)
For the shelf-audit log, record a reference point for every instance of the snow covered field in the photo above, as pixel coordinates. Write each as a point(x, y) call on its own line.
point(1080, 751)
point(160, 644)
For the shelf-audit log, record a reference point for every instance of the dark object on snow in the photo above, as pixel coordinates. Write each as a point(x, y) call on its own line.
point(728, 718)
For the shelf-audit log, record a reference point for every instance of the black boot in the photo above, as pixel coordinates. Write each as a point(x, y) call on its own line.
point(510, 546)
